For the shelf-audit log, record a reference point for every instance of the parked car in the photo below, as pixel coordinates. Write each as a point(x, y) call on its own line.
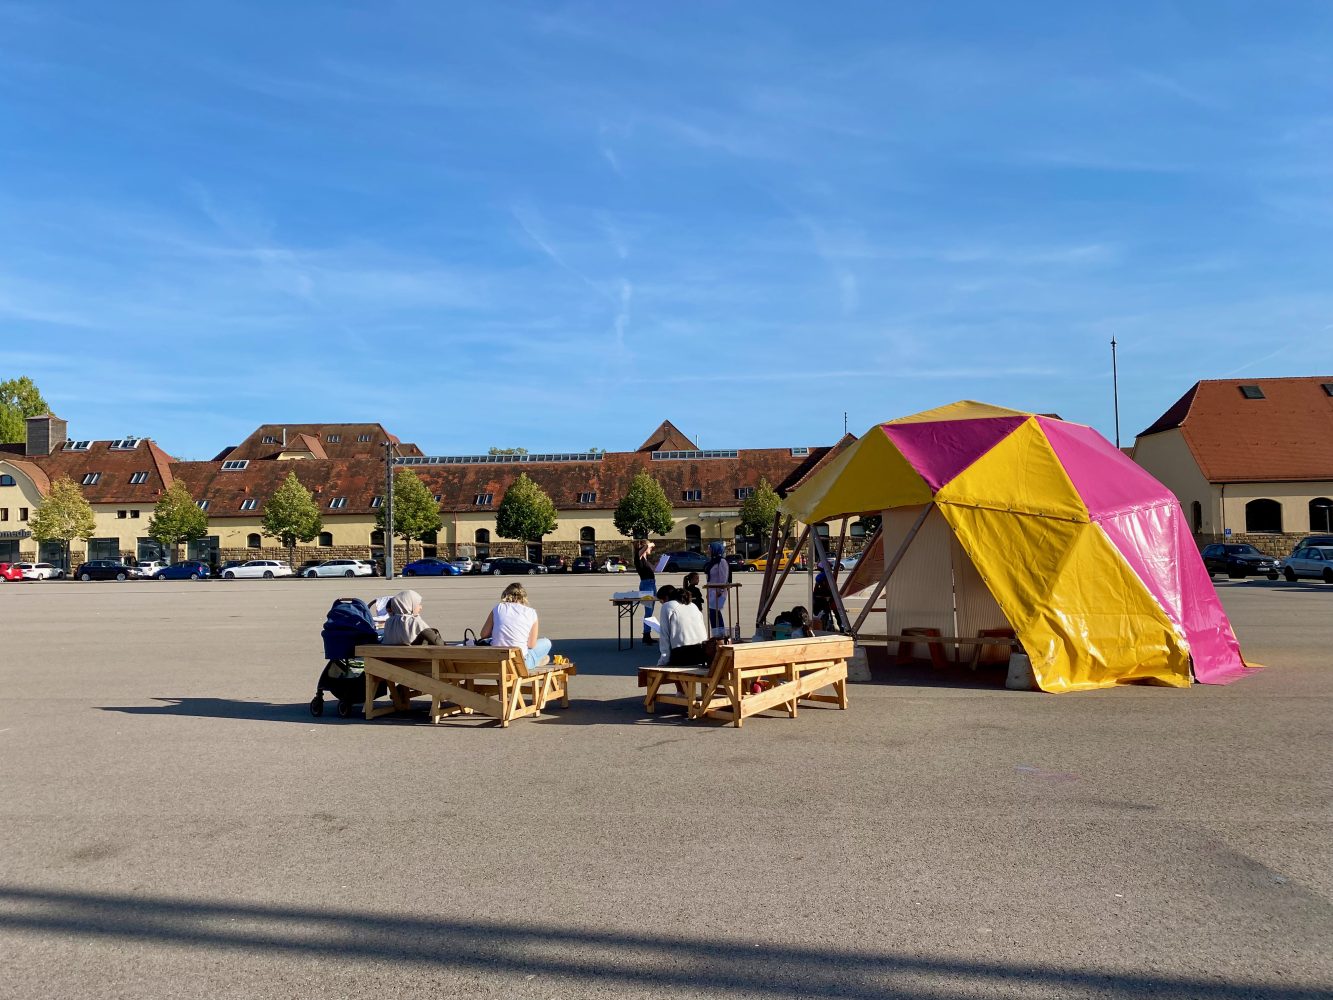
point(1314, 562)
point(190, 569)
point(339, 567)
point(510, 566)
point(582, 564)
point(556, 564)
point(739, 564)
point(613, 564)
point(1319, 541)
point(300, 570)
point(229, 564)
point(431, 566)
point(10, 572)
point(103, 569)
point(147, 569)
point(685, 562)
point(38, 571)
point(463, 564)
point(851, 561)
point(783, 560)
point(256, 568)
point(1238, 561)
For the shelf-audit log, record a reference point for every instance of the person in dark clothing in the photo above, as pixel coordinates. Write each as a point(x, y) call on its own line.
point(825, 608)
point(647, 582)
point(692, 592)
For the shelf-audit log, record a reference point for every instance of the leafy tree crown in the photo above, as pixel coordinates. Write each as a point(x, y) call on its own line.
point(758, 509)
point(291, 514)
point(643, 509)
point(416, 513)
point(19, 399)
point(176, 517)
point(525, 513)
point(64, 515)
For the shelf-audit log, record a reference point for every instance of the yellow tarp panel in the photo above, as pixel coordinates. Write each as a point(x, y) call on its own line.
point(966, 409)
point(1021, 473)
point(1082, 615)
point(866, 478)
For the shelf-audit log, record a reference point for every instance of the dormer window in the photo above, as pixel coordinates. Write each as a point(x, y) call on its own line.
point(334, 439)
point(125, 444)
point(268, 439)
point(77, 445)
point(363, 438)
point(376, 502)
point(587, 498)
point(138, 479)
point(91, 478)
point(235, 465)
point(744, 492)
point(484, 499)
point(249, 504)
point(1252, 392)
point(202, 504)
point(337, 503)
point(692, 495)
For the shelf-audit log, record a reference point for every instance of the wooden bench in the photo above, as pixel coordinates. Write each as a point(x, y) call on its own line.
point(789, 671)
point(489, 680)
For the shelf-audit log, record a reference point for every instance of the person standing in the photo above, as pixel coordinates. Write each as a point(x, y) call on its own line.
point(718, 571)
point(647, 582)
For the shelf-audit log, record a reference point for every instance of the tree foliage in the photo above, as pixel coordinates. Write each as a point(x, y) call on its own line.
point(63, 516)
point(758, 509)
point(19, 399)
point(506, 451)
point(416, 512)
point(177, 518)
point(525, 513)
point(291, 514)
point(643, 509)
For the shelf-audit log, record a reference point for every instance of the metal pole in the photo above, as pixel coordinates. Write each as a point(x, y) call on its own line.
point(388, 510)
point(1115, 392)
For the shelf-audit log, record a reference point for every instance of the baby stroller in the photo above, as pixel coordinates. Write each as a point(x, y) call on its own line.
point(347, 625)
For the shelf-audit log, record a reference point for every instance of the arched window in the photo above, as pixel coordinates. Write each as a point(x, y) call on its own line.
point(1321, 514)
point(252, 541)
point(1196, 516)
point(6, 480)
point(377, 537)
point(483, 540)
point(588, 541)
point(1263, 516)
point(694, 538)
point(326, 539)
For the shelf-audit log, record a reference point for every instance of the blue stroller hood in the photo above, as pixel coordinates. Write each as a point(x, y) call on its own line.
point(347, 625)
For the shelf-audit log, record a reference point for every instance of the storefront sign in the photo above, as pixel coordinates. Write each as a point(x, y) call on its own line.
point(21, 533)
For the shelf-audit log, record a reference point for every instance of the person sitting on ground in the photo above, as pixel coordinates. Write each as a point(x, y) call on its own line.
point(514, 624)
point(692, 591)
point(405, 626)
point(682, 628)
point(798, 620)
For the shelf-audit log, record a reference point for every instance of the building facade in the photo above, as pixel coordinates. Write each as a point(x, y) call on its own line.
point(1249, 459)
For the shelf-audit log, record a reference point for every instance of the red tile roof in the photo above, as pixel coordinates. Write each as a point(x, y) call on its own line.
point(667, 437)
point(1287, 436)
point(347, 445)
point(356, 479)
point(115, 467)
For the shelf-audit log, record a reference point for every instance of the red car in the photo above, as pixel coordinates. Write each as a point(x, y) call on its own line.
point(10, 571)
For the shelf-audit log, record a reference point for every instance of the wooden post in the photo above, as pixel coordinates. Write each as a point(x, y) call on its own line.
point(770, 565)
point(800, 544)
point(888, 570)
point(837, 598)
point(842, 541)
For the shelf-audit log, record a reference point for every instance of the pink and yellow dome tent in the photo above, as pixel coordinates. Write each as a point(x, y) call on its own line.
point(1016, 520)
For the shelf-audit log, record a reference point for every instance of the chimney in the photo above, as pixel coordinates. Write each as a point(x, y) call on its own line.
point(45, 434)
point(284, 438)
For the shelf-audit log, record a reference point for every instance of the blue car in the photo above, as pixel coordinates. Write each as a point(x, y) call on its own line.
point(183, 571)
point(430, 566)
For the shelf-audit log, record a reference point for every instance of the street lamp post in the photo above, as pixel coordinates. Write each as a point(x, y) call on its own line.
point(388, 509)
point(1115, 392)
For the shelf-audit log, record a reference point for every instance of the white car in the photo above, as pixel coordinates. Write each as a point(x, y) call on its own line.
point(339, 567)
point(148, 570)
point(463, 564)
point(851, 561)
point(38, 571)
point(1314, 562)
point(255, 568)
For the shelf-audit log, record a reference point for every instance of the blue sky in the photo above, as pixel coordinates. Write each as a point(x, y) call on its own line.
point(552, 225)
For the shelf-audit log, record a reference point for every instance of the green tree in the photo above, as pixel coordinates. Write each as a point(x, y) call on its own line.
point(643, 509)
point(506, 451)
point(19, 399)
point(416, 512)
point(526, 513)
point(63, 516)
point(176, 519)
point(757, 510)
point(291, 515)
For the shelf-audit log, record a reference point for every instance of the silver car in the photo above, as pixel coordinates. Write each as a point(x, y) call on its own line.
point(1314, 562)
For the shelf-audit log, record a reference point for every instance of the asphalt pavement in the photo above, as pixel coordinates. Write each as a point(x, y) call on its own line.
point(174, 822)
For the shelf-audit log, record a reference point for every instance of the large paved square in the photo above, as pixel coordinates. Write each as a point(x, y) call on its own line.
point(175, 824)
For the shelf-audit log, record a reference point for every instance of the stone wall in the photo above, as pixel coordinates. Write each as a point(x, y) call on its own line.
point(1271, 544)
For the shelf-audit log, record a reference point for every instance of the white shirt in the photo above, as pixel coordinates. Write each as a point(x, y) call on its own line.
point(682, 625)
point(511, 625)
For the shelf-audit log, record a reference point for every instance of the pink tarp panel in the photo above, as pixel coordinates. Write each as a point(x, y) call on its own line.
point(1156, 543)
point(941, 449)
point(1106, 478)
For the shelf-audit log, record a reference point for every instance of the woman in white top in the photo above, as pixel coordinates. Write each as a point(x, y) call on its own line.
point(683, 629)
point(513, 623)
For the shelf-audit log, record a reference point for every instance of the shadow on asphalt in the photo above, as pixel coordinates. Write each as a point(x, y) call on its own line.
point(664, 962)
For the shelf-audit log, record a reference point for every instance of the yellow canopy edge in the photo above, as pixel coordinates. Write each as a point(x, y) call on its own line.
point(870, 476)
point(966, 409)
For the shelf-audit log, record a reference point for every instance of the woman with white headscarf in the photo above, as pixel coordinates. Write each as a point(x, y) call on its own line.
point(405, 626)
